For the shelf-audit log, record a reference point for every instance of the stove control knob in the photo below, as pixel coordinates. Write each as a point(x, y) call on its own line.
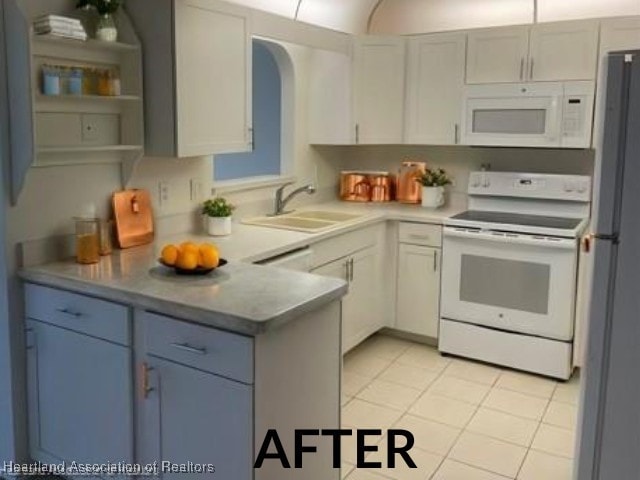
point(568, 187)
point(486, 183)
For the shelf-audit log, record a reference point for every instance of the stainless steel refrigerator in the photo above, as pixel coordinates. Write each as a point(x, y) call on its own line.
point(609, 431)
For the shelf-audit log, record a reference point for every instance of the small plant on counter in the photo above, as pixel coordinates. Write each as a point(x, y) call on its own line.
point(218, 216)
point(433, 178)
point(433, 182)
point(217, 207)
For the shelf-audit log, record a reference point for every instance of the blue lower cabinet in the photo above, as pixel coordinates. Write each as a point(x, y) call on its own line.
point(197, 422)
point(80, 397)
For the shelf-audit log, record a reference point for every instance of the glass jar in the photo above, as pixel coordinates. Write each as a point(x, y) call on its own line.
point(104, 83)
point(106, 29)
point(75, 81)
point(116, 84)
point(106, 229)
point(50, 80)
point(87, 240)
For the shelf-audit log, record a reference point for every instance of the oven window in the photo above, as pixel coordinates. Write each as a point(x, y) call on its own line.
point(510, 121)
point(511, 284)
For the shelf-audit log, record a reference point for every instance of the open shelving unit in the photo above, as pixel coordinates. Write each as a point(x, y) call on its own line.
point(57, 130)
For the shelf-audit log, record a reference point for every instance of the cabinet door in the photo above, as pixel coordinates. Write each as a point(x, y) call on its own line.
point(418, 299)
point(563, 51)
point(615, 34)
point(379, 89)
point(331, 120)
point(80, 398)
point(213, 77)
point(193, 416)
point(364, 311)
point(435, 79)
point(497, 55)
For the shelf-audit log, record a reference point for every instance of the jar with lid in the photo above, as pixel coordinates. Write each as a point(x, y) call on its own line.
point(87, 236)
point(50, 80)
point(75, 81)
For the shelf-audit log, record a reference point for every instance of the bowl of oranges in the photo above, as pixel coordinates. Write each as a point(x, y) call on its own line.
point(189, 258)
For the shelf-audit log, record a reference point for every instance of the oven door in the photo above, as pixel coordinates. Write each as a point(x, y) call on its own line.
point(522, 115)
point(518, 283)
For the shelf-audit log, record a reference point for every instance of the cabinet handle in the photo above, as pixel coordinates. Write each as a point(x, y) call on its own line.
point(146, 388)
point(357, 133)
point(185, 347)
point(252, 142)
point(456, 134)
point(531, 70)
point(521, 68)
point(347, 271)
point(435, 261)
point(418, 236)
point(351, 270)
point(68, 312)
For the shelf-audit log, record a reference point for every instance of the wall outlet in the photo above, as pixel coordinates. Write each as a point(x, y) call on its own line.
point(163, 195)
point(196, 189)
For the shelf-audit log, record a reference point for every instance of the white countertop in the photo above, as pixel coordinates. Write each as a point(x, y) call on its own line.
point(251, 243)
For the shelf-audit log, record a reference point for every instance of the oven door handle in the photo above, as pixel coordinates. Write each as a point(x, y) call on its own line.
point(515, 239)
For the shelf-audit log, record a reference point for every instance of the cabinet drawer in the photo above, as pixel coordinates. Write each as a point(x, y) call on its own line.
point(420, 234)
point(82, 314)
point(208, 349)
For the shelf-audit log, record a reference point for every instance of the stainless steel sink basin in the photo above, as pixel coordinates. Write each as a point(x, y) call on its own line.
point(309, 221)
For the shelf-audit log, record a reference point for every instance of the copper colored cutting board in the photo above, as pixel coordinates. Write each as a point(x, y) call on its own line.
point(134, 217)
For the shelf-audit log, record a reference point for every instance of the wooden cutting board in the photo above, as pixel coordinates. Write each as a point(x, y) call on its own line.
point(133, 217)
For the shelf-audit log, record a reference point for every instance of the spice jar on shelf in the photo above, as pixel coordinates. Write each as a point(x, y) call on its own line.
point(104, 84)
point(50, 80)
point(75, 81)
point(116, 84)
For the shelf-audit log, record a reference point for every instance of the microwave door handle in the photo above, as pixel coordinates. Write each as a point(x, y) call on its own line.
point(515, 239)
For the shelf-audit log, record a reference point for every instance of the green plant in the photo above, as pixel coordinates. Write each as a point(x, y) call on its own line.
point(433, 178)
point(218, 207)
point(104, 7)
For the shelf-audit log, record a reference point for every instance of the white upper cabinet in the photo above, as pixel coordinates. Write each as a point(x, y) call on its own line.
point(497, 55)
point(197, 57)
point(213, 77)
point(544, 52)
point(435, 81)
point(563, 51)
point(615, 34)
point(331, 120)
point(379, 71)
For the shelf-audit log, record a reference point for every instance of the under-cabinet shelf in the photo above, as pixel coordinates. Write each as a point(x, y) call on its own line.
point(89, 44)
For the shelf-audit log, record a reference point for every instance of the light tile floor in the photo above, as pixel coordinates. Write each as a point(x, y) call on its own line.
point(470, 421)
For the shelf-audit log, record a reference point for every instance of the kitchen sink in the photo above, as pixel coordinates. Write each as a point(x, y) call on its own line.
point(325, 215)
point(309, 221)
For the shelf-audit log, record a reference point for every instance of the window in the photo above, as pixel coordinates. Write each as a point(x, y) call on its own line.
point(266, 159)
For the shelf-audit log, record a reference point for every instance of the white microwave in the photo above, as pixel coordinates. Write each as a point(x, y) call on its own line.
point(543, 114)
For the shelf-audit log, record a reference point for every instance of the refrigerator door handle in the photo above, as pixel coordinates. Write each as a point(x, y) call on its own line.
point(609, 237)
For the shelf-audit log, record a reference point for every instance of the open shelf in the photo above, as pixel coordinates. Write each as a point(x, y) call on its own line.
point(90, 149)
point(78, 98)
point(89, 44)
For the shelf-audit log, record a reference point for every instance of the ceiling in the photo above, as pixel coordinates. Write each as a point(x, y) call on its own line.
point(422, 16)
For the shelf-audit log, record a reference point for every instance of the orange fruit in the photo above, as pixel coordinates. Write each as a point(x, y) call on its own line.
point(188, 246)
point(170, 254)
point(187, 259)
point(209, 256)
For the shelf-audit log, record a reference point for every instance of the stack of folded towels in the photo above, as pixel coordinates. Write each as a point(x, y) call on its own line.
point(59, 26)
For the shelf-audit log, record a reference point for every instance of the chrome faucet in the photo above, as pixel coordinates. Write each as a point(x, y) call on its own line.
point(281, 203)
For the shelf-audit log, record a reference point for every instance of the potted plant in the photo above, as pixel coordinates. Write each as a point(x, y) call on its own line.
point(218, 216)
point(433, 182)
point(106, 29)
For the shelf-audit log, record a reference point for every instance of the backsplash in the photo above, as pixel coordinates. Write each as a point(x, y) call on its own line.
point(458, 161)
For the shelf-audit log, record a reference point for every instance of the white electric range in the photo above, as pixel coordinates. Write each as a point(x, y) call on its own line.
point(509, 271)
